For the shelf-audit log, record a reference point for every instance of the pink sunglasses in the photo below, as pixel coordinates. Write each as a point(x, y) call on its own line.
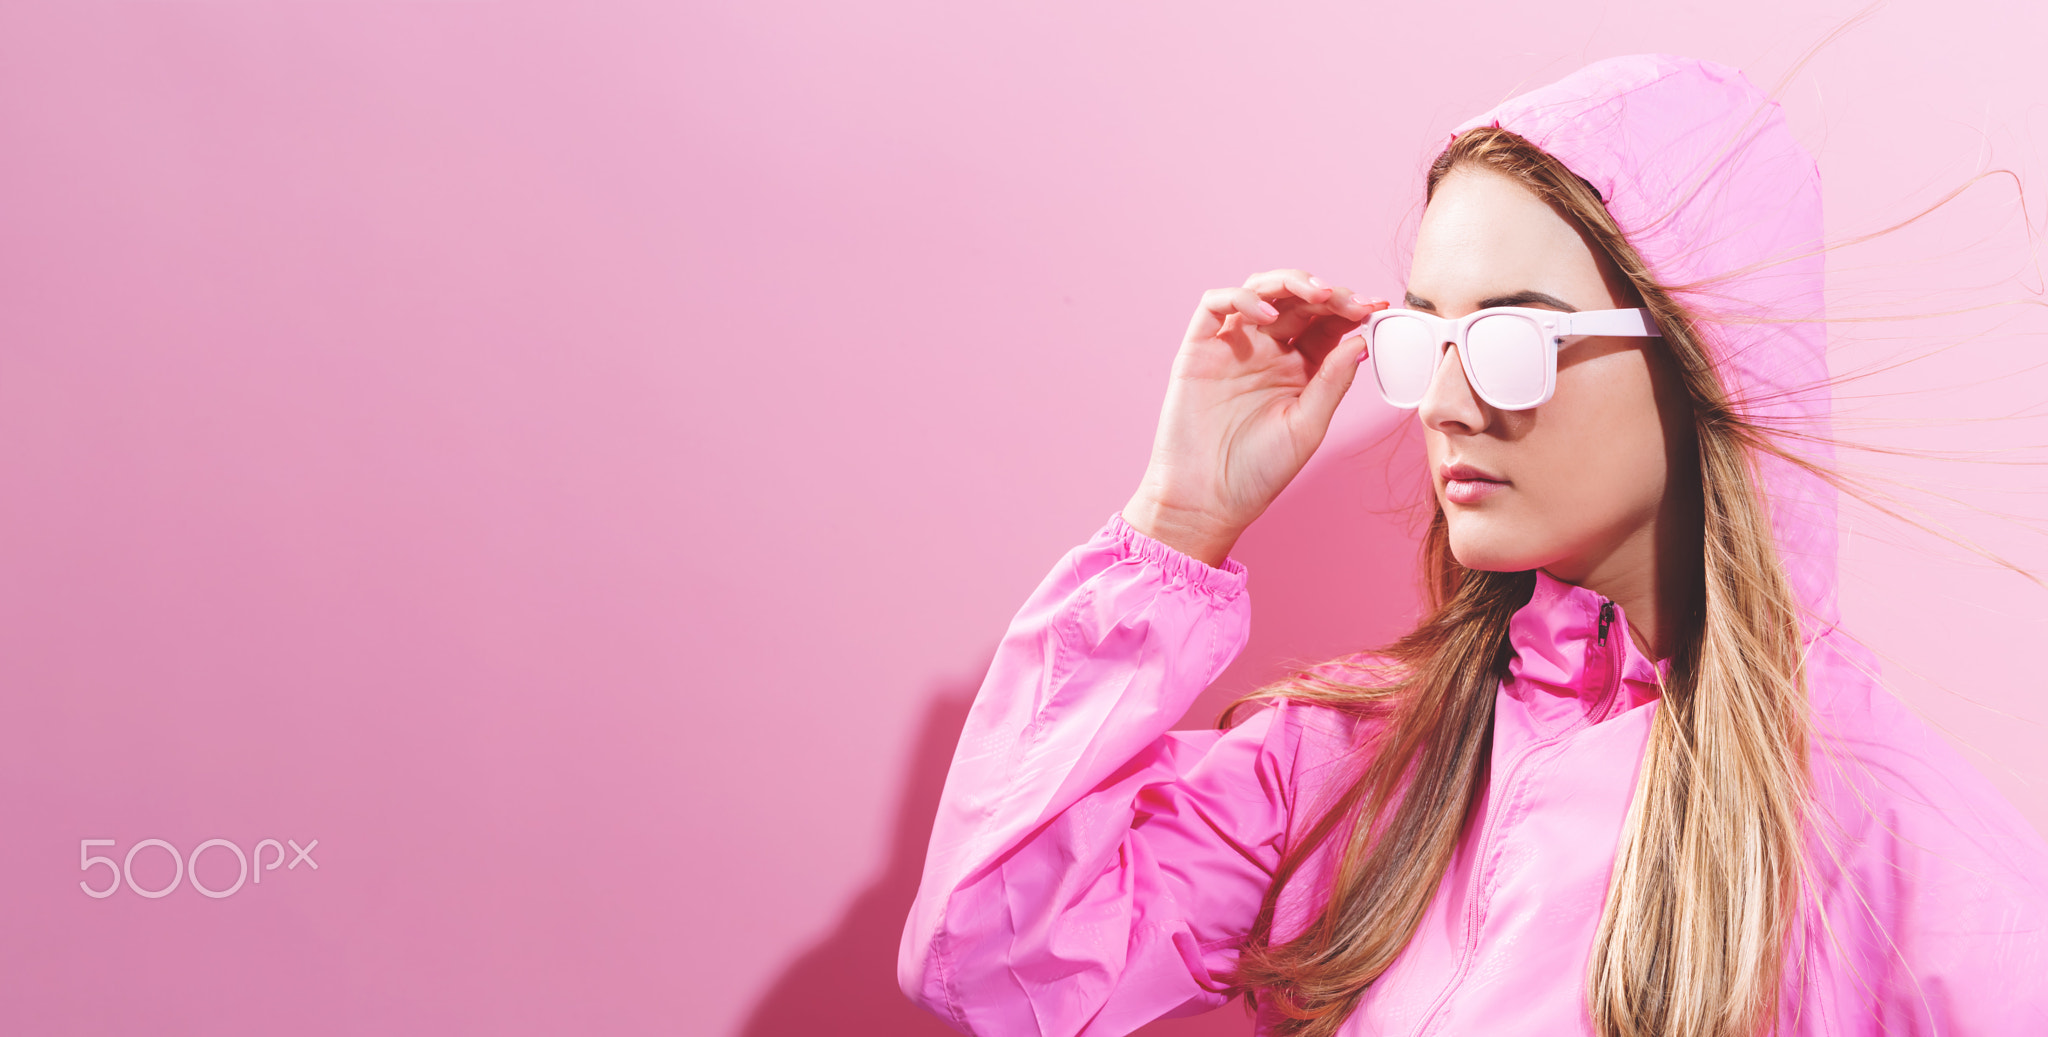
point(1509, 352)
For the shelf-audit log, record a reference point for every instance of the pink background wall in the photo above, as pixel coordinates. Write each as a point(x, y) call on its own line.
point(574, 461)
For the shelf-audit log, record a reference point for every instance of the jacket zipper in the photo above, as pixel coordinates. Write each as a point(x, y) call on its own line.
point(1616, 655)
point(1493, 812)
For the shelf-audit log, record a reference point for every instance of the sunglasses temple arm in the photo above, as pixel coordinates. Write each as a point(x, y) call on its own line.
point(1626, 323)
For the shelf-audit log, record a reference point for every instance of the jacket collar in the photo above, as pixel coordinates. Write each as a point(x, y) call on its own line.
point(1562, 669)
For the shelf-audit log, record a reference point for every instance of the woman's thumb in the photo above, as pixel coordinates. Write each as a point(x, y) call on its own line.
point(1333, 378)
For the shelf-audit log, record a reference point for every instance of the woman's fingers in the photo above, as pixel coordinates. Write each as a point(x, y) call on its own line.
point(1294, 289)
point(1288, 345)
point(1363, 306)
point(1322, 335)
point(1219, 303)
point(1300, 321)
point(1319, 398)
point(1282, 303)
point(1301, 284)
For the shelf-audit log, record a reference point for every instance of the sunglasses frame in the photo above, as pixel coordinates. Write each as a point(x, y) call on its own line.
point(1552, 326)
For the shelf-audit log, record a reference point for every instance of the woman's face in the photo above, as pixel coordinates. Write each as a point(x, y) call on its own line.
point(1581, 477)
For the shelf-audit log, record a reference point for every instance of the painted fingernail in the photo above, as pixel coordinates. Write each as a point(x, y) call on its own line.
point(1316, 282)
point(1267, 309)
point(1361, 352)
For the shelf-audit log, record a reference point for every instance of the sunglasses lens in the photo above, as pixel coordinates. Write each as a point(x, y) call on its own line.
point(1508, 360)
point(1404, 355)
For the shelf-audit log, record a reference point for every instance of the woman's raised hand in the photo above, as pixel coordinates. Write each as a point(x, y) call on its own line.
point(1250, 398)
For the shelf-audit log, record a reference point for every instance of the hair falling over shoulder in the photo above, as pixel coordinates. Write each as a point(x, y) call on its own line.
point(1707, 882)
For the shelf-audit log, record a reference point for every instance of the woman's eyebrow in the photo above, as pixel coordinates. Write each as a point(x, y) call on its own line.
point(1416, 302)
point(1524, 298)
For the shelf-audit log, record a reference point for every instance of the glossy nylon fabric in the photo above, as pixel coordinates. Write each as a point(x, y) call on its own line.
point(1091, 870)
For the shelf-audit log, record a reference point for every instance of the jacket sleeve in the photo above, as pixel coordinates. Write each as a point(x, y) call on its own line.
point(1089, 869)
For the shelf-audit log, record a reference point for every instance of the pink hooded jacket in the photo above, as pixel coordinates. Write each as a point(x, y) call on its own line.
point(1091, 870)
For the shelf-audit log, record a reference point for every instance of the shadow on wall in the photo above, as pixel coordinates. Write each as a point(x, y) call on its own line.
point(846, 984)
point(1333, 571)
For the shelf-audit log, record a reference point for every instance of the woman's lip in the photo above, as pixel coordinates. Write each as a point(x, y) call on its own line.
point(1471, 491)
point(1464, 484)
point(1466, 473)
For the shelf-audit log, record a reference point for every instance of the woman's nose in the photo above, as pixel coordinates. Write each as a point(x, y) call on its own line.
point(1450, 404)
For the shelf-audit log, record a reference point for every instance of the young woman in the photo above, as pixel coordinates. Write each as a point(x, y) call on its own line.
point(1626, 778)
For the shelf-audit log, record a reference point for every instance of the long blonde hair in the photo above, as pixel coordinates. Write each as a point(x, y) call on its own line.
point(1707, 882)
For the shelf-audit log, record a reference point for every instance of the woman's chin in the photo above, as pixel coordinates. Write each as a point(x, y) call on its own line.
point(1490, 550)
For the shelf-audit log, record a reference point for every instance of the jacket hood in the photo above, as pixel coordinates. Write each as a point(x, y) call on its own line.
point(1704, 176)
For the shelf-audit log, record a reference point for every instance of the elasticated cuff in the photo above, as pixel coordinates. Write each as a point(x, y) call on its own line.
point(1224, 584)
